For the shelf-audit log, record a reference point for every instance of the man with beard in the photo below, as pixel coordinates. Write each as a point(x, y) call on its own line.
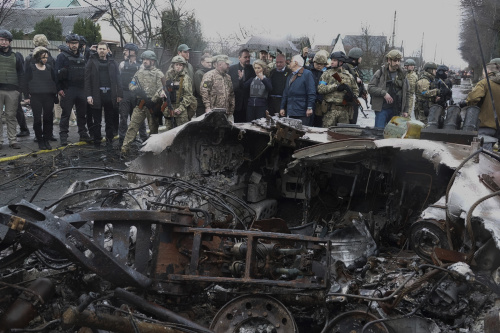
point(426, 92)
point(217, 89)
point(70, 68)
point(147, 85)
point(103, 89)
point(339, 95)
point(240, 73)
point(179, 87)
point(11, 81)
point(389, 90)
point(206, 66)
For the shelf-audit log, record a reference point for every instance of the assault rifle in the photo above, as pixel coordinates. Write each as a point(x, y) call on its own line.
point(167, 103)
point(349, 95)
point(144, 100)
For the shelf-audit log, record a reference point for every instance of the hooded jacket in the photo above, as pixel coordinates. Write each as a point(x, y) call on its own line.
point(480, 96)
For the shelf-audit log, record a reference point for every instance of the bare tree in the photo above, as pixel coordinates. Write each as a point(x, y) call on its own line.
point(138, 19)
point(488, 25)
point(374, 48)
point(6, 9)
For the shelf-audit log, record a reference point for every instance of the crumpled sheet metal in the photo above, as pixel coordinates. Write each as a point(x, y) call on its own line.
point(159, 142)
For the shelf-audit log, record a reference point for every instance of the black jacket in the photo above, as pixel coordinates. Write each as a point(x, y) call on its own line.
point(38, 87)
point(241, 94)
point(92, 80)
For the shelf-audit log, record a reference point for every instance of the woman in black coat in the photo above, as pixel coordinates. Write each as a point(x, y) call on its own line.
point(40, 90)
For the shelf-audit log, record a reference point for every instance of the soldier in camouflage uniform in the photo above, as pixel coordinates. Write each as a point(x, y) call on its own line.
point(339, 96)
point(217, 88)
point(412, 80)
point(426, 92)
point(147, 84)
point(352, 66)
point(181, 92)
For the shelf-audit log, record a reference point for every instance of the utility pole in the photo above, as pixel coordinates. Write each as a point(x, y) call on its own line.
point(394, 30)
point(422, 51)
point(435, 49)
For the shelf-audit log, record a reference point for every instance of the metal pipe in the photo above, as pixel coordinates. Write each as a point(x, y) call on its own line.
point(72, 317)
point(156, 310)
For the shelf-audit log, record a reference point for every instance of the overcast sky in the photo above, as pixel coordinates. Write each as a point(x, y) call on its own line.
point(322, 20)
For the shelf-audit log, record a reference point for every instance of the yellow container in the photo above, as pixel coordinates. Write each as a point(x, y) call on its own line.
point(401, 127)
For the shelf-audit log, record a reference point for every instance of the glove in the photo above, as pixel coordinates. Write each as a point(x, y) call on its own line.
point(342, 87)
point(462, 103)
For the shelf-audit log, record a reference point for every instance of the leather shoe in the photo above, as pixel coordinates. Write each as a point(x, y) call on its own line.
point(86, 138)
point(41, 145)
point(53, 138)
point(64, 142)
point(15, 145)
point(47, 145)
point(23, 133)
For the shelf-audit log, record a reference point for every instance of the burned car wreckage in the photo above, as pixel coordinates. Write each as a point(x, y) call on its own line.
point(263, 227)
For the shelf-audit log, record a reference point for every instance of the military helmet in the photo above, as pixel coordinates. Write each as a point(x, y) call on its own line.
point(355, 53)
point(320, 58)
point(495, 61)
point(40, 40)
point(394, 55)
point(148, 54)
point(443, 68)
point(6, 34)
point(430, 65)
point(72, 38)
point(131, 47)
point(339, 55)
point(410, 62)
point(178, 60)
point(83, 40)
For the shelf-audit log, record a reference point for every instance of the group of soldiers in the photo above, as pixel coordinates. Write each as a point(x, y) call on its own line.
point(321, 90)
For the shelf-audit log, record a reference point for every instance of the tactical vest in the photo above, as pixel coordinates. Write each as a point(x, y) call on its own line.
point(42, 82)
point(104, 79)
point(8, 72)
point(258, 89)
point(76, 69)
point(128, 72)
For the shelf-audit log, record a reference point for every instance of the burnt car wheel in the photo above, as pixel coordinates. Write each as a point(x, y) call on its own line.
point(425, 235)
point(254, 314)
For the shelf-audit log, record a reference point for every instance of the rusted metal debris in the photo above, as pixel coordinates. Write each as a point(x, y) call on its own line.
point(238, 228)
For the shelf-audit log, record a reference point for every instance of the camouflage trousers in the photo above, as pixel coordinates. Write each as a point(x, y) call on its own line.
point(138, 117)
point(420, 115)
point(179, 120)
point(337, 114)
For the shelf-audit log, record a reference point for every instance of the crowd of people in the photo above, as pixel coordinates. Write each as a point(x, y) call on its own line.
point(320, 90)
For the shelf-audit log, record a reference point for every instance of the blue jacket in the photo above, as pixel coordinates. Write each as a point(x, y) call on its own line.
point(300, 94)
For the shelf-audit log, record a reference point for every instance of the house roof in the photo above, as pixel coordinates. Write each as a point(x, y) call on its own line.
point(46, 3)
point(24, 19)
